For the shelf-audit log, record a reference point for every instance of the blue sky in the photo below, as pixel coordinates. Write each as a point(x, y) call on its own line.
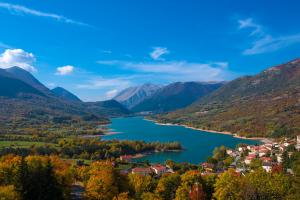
point(96, 48)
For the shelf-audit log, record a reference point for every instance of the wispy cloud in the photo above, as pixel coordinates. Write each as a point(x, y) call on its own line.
point(177, 70)
point(17, 57)
point(264, 42)
point(111, 94)
point(249, 23)
point(158, 52)
point(102, 83)
point(271, 44)
point(19, 9)
point(5, 46)
point(106, 51)
point(65, 70)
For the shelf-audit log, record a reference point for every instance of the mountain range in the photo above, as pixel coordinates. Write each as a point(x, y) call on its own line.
point(26, 101)
point(266, 104)
point(132, 96)
point(174, 96)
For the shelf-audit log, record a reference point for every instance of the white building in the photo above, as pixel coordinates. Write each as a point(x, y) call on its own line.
point(267, 167)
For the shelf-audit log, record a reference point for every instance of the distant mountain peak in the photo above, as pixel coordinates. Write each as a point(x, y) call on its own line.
point(65, 94)
point(174, 96)
point(132, 96)
point(28, 78)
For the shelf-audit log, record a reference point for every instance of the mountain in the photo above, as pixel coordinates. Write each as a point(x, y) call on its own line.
point(11, 87)
point(26, 104)
point(132, 96)
point(176, 95)
point(267, 104)
point(28, 78)
point(65, 94)
point(108, 108)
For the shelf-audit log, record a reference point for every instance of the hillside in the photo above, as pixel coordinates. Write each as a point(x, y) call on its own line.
point(28, 78)
point(28, 104)
point(110, 108)
point(11, 87)
point(266, 104)
point(65, 94)
point(176, 95)
point(132, 96)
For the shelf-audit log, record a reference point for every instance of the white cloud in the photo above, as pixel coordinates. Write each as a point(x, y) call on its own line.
point(177, 70)
point(111, 94)
point(264, 42)
point(18, 9)
point(158, 52)
point(65, 70)
point(17, 57)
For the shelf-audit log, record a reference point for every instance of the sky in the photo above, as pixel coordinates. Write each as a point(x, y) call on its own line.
point(96, 48)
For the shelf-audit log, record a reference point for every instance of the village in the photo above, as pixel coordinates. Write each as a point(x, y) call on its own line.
point(244, 158)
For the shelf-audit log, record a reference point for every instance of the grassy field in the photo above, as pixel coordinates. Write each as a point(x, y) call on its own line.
point(24, 144)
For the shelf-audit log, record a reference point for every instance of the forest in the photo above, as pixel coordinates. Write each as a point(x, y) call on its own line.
point(50, 177)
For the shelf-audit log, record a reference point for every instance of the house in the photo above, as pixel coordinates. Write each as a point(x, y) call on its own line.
point(249, 158)
point(209, 167)
point(279, 158)
point(159, 169)
point(282, 147)
point(266, 159)
point(297, 146)
point(255, 148)
point(267, 166)
point(126, 158)
point(269, 146)
point(144, 171)
point(228, 151)
point(242, 149)
point(253, 154)
point(263, 152)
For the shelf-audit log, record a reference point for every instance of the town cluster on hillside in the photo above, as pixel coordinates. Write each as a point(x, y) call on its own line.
point(244, 158)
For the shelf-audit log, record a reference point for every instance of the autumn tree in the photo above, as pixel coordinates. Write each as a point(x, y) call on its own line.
point(9, 193)
point(228, 186)
point(102, 184)
point(167, 186)
point(219, 153)
point(140, 184)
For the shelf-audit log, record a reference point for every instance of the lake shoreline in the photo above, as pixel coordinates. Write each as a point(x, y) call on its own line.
point(262, 139)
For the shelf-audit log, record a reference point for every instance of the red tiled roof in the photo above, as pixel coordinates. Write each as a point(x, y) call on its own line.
point(142, 170)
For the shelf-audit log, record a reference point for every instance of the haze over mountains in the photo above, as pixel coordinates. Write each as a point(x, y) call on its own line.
point(267, 104)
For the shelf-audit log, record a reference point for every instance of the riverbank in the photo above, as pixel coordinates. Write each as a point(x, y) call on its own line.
point(262, 139)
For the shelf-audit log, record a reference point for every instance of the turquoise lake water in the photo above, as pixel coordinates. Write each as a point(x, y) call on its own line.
point(198, 145)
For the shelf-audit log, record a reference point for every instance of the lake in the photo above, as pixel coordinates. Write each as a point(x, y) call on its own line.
point(198, 145)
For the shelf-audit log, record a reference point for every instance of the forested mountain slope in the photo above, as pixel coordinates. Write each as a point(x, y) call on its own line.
point(267, 104)
point(176, 95)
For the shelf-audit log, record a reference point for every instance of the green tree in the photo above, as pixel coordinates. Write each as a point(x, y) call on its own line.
point(229, 186)
point(219, 153)
point(167, 186)
point(140, 184)
point(266, 185)
point(255, 164)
